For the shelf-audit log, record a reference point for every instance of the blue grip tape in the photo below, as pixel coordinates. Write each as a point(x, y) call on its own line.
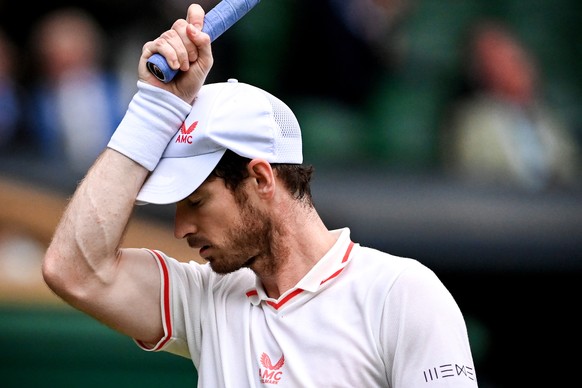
point(219, 19)
point(159, 67)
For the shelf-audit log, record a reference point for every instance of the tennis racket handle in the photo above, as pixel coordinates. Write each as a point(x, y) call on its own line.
point(216, 21)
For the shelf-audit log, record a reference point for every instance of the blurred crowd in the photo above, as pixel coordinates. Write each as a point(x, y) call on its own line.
point(373, 91)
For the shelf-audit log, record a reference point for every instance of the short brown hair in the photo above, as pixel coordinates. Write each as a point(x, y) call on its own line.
point(232, 168)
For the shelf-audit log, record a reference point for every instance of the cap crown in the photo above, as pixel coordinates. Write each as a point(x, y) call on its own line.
point(242, 118)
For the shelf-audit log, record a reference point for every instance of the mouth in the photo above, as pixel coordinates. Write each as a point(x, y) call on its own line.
point(250, 262)
point(204, 250)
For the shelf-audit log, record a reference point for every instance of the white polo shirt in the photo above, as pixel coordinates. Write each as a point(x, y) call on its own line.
point(359, 318)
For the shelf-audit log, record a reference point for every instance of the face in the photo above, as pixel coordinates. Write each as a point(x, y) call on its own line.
point(507, 67)
point(230, 232)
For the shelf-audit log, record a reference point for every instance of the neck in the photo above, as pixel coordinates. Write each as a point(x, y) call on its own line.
point(299, 243)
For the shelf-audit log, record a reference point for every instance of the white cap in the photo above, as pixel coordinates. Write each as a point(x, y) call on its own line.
point(229, 115)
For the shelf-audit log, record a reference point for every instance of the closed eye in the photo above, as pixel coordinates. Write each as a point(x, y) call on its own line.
point(194, 203)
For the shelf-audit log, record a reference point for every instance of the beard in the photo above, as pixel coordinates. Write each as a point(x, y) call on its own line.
point(249, 243)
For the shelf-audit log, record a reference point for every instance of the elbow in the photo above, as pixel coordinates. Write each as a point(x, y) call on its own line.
point(51, 273)
point(71, 277)
point(60, 276)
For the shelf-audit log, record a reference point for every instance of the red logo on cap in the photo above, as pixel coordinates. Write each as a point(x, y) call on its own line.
point(184, 136)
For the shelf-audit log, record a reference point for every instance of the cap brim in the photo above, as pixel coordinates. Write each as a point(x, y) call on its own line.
point(174, 179)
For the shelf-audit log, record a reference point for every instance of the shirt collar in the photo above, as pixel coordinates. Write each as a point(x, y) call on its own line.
point(328, 267)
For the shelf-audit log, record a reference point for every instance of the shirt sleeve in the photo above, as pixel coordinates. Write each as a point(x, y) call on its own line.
point(425, 336)
point(182, 288)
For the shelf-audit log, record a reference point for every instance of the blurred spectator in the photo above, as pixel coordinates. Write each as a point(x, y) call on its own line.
point(503, 131)
point(10, 95)
point(75, 102)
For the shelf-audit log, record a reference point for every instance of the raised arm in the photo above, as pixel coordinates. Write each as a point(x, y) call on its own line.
point(84, 264)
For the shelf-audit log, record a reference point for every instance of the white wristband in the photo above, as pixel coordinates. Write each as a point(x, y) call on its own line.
point(152, 119)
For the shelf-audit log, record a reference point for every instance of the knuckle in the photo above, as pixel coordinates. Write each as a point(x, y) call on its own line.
point(178, 24)
point(167, 36)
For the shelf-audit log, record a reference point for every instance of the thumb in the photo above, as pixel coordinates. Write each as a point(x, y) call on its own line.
point(195, 16)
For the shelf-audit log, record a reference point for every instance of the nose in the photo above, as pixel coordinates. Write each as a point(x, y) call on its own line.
point(183, 225)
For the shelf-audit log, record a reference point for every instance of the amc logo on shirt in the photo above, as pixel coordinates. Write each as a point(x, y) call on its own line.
point(270, 374)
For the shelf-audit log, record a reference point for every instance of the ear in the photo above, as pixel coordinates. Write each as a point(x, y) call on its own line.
point(263, 177)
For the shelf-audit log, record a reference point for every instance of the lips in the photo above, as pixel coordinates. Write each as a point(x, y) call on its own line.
point(204, 250)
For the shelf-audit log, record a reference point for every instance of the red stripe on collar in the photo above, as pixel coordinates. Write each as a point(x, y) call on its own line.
point(277, 305)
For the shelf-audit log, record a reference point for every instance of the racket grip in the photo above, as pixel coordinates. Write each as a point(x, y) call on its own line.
point(219, 19)
point(158, 66)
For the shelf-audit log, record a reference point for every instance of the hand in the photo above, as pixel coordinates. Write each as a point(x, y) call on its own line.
point(186, 47)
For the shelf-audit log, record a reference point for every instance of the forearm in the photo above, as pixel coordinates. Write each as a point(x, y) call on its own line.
point(85, 243)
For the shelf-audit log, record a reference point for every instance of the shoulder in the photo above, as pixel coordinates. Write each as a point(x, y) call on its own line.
point(405, 287)
point(398, 277)
point(371, 260)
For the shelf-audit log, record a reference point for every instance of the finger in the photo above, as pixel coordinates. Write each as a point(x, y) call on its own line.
point(176, 44)
point(195, 16)
point(162, 46)
point(185, 49)
point(202, 42)
point(169, 45)
point(200, 68)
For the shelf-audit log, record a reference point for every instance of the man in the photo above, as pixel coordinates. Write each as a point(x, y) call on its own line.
point(282, 300)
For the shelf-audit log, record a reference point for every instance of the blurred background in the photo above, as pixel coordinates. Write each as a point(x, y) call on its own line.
point(447, 131)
